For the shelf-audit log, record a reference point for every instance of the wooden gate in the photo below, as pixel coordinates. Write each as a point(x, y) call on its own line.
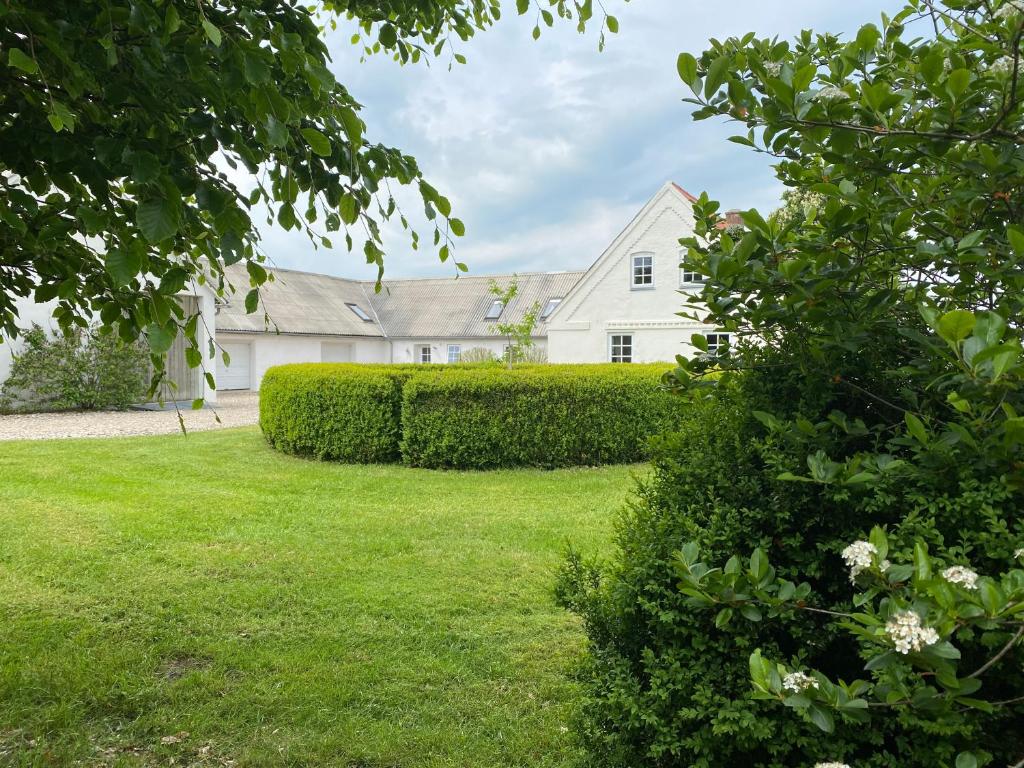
point(188, 381)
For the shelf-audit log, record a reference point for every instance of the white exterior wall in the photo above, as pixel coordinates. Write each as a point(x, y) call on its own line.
point(407, 350)
point(604, 302)
point(30, 313)
point(269, 349)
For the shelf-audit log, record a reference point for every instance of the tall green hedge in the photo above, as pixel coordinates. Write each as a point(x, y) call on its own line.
point(544, 416)
point(464, 416)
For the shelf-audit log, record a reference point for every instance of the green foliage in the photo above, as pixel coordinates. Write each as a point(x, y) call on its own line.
point(518, 334)
point(340, 411)
point(78, 370)
point(876, 385)
point(544, 416)
point(466, 416)
point(120, 117)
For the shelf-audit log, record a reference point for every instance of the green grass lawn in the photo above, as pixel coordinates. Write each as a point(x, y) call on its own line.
point(282, 612)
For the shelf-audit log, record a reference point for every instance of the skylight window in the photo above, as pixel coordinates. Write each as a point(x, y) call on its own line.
point(495, 311)
point(360, 313)
point(550, 307)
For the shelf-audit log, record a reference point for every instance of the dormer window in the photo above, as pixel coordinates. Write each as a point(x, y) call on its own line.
point(495, 310)
point(360, 313)
point(550, 307)
point(643, 270)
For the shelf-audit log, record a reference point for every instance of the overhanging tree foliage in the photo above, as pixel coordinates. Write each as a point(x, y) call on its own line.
point(127, 126)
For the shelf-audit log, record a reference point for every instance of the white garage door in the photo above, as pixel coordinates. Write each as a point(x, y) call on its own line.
point(237, 374)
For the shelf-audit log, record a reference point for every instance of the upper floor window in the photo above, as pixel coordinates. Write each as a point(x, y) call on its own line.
point(718, 343)
point(620, 348)
point(643, 270)
point(454, 353)
point(687, 277)
point(550, 307)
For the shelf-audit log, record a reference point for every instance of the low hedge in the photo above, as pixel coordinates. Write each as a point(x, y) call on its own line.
point(341, 411)
point(466, 417)
point(541, 416)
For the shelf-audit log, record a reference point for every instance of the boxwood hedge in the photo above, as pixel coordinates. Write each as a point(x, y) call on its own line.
point(467, 417)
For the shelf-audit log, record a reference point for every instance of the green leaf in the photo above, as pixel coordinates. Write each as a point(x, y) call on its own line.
point(966, 760)
point(123, 265)
point(522, 6)
point(922, 562)
point(717, 73)
point(751, 612)
point(916, 428)
point(160, 337)
point(821, 717)
point(957, 82)
point(457, 227)
point(211, 32)
point(252, 300)
point(157, 219)
point(18, 59)
point(955, 326)
point(1015, 235)
point(723, 617)
point(613, 24)
point(319, 143)
point(686, 65)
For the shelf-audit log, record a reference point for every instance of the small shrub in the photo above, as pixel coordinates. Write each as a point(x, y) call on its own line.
point(546, 416)
point(84, 369)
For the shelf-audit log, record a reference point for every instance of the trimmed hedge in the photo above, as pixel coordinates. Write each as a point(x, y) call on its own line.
point(466, 417)
point(341, 411)
point(540, 416)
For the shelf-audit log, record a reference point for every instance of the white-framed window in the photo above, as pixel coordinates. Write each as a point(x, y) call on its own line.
point(494, 311)
point(454, 353)
point(717, 342)
point(423, 354)
point(550, 307)
point(643, 270)
point(688, 277)
point(620, 348)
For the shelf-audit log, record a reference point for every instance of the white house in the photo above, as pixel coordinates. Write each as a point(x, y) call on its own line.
point(622, 309)
point(190, 382)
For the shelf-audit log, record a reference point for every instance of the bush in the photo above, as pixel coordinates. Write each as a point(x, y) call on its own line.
point(463, 416)
point(81, 370)
point(340, 411)
point(544, 416)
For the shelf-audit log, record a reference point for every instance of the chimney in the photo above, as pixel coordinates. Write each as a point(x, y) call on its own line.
point(730, 219)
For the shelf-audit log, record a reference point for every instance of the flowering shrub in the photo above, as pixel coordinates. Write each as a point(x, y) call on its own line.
point(867, 426)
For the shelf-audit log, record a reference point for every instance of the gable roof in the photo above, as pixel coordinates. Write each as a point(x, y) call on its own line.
point(451, 307)
point(591, 274)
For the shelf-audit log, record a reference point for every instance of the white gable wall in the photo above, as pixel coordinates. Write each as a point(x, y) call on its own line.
point(605, 302)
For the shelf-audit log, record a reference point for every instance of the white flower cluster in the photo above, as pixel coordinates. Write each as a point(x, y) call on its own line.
point(798, 682)
point(831, 765)
point(859, 556)
point(832, 93)
point(1019, 553)
point(961, 576)
point(907, 634)
point(1010, 10)
point(1002, 66)
point(773, 68)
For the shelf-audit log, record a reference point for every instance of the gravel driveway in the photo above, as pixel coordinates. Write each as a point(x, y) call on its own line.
point(236, 409)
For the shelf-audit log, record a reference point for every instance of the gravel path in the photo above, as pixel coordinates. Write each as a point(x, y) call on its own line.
point(236, 409)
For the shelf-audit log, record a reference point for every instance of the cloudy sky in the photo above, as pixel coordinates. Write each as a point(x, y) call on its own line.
point(547, 148)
